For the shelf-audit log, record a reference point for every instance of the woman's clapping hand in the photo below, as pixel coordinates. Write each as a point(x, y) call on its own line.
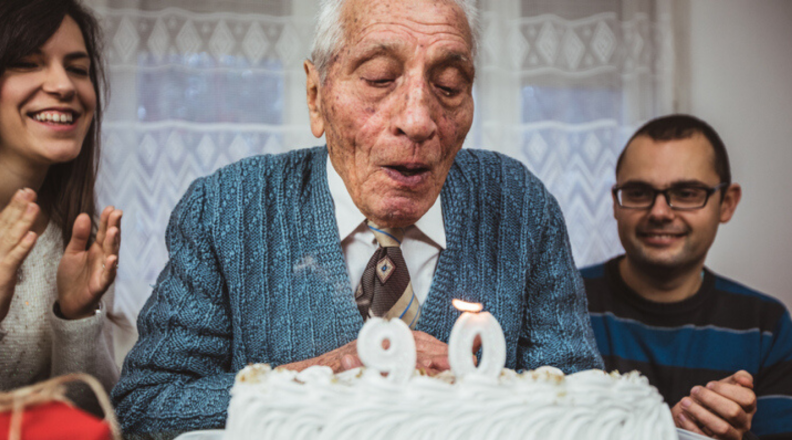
point(85, 273)
point(16, 241)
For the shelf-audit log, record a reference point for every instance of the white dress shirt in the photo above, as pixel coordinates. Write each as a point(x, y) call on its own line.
point(421, 246)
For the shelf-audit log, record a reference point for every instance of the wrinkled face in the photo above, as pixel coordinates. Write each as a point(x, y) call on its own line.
point(396, 104)
point(47, 101)
point(660, 236)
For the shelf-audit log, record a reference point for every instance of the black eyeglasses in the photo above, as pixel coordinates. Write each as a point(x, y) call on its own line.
point(683, 197)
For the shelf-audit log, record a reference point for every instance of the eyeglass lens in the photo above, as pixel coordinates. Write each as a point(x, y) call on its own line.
point(677, 197)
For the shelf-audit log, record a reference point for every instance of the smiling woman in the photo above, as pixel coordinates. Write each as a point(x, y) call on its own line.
point(45, 78)
point(56, 263)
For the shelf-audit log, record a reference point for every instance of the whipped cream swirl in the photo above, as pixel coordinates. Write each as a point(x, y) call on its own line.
point(269, 404)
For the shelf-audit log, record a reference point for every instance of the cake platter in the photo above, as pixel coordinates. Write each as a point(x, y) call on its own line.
point(217, 434)
point(209, 434)
point(684, 434)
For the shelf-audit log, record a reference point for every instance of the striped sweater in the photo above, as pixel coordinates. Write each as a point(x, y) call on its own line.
point(257, 274)
point(723, 328)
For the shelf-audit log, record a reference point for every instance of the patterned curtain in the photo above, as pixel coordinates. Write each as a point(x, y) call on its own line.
point(198, 84)
point(562, 86)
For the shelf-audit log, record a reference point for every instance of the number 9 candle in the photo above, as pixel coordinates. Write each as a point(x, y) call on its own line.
point(398, 360)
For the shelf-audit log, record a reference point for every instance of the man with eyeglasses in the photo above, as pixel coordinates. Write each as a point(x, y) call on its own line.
point(719, 352)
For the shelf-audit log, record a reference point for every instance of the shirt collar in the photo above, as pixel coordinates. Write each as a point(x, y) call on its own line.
point(348, 217)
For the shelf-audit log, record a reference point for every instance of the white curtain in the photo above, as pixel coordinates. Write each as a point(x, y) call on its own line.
point(562, 86)
point(198, 84)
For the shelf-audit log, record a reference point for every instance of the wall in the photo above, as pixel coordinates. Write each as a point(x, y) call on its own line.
point(741, 82)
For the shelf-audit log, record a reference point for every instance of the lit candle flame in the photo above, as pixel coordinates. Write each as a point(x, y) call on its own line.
point(464, 306)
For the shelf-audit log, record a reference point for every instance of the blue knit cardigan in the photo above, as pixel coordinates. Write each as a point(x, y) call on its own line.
point(256, 274)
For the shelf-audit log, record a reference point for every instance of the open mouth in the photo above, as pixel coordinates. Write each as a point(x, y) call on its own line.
point(664, 235)
point(409, 170)
point(660, 238)
point(57, 117)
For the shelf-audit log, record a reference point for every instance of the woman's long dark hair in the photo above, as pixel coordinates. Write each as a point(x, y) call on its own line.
point(25, 25)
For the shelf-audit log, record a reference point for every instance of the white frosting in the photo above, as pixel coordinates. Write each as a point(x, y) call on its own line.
point(269, 404)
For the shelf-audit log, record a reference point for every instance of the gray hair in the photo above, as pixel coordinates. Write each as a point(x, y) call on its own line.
point(330, 31)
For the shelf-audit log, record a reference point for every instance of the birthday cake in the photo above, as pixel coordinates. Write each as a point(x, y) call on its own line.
point(362, 404)
point(390, 399)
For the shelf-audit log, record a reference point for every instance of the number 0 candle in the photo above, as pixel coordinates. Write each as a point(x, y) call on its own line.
point(474, 323)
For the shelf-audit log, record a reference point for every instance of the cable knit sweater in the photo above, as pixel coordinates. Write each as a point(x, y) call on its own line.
point(256, 274)
point(36, 345)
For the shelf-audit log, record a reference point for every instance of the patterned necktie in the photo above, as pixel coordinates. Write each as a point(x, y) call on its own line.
point(385, 289)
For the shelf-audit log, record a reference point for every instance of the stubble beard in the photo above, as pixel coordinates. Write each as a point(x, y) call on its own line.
point(662, 266)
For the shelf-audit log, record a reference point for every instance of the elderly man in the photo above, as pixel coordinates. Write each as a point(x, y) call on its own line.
point(710, 345)
point(271, 258)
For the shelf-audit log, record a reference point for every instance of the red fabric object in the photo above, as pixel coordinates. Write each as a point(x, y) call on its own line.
point(56, 421)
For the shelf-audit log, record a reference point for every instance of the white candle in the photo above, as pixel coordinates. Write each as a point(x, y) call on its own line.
point(398, 360)
point(474, 323)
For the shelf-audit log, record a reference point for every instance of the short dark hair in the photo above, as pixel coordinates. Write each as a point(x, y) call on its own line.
point(680, 126)
point(25, 25)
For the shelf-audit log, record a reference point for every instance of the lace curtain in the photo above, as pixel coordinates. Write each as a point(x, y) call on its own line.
point(199, 84)
point(562, 86)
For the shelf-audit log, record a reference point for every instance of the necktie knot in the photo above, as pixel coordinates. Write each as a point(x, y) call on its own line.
point(386, 237)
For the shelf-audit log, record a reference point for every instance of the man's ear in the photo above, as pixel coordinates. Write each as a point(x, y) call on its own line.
point(731, 197)
point(314, 97)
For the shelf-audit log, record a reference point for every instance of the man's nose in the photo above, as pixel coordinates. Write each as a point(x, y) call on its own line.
point(58, 82)
point(660, 210)
point(415, 117)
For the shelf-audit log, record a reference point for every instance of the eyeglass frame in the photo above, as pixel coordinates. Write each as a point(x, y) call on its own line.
point(664, 192)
